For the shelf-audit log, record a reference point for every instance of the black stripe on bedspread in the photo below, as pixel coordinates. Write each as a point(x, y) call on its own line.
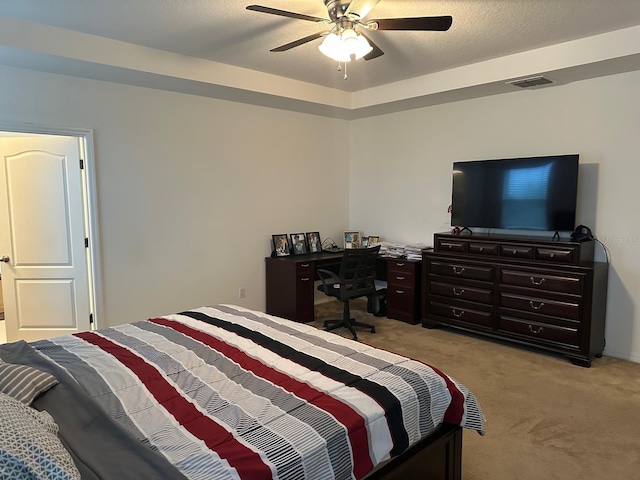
point(379, 393)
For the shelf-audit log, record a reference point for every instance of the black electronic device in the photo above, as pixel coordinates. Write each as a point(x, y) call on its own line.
point(581, 234)
point(534, 193)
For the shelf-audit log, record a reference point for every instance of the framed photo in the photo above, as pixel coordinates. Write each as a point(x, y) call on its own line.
point(313, 242)
point(364, 243)
point(351, 240)
point(298, 244)
point(373, 240)
point(281, 244)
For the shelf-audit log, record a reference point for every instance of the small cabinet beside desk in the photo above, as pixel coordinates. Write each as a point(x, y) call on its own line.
point(290, 285)
point(403, 289)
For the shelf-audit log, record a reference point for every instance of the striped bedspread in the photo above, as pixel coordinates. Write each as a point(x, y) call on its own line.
point(224, 392)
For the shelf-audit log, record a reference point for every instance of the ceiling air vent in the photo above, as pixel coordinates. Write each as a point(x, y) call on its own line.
point(530, 82)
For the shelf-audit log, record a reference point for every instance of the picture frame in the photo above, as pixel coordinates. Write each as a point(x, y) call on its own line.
point(373, 239)
point(299, 244)
point(281, 245)
point(364, 243)
point(352, 239)
point(313, 242)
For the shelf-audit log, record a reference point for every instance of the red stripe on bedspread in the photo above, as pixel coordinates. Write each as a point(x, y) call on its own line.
point(247, 462)
point(343, 413)
point(455, 410)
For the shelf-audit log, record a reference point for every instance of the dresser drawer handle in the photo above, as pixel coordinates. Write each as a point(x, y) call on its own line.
point(552, 255)
point(534, 306)
point(457, 292)
point(458, 270)
point(535, 331)
point(457, 313)
point(305, 279)
point(304, 265)
point(515, 252)
point(481, 249)
point(537, 282)
point(399, 278)
point(401, 292)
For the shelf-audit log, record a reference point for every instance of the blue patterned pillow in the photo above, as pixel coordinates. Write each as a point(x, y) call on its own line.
point(23, 382)
point(29, 444)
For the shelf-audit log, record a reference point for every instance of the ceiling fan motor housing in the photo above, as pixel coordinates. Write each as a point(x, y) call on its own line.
point(336, 8)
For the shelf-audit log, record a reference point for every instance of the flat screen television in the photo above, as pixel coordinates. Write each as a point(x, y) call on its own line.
point(535, 193)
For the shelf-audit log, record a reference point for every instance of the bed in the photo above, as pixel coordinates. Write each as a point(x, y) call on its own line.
point(225, 392)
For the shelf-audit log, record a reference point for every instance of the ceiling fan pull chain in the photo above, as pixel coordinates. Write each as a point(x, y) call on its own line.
point(345, 70)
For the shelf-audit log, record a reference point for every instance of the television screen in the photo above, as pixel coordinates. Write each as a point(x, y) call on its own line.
point(537, 193)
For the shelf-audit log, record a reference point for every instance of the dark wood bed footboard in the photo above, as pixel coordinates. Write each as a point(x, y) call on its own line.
point(437, 457)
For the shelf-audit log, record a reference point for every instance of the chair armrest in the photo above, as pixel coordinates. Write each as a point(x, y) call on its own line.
point(328, 278)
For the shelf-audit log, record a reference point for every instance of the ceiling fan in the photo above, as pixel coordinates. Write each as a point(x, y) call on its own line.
point(345, 38)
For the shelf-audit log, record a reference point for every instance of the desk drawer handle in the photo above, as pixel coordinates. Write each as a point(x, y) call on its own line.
point(457, 292)
point(458, 270)
point(399, 264)
point(534, 306)
point(537, 282)
point(305, 279)
point(399, 278)
point(535, 331)
point(457, 313)
point(304, 265)
point(401, 292)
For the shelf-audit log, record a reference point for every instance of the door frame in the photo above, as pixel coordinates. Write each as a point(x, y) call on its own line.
point(90, 203)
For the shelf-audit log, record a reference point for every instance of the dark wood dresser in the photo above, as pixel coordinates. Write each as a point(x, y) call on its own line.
point(546, 294)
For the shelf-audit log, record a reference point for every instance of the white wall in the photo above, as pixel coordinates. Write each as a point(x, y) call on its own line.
point(189, 189)
point(401, 171)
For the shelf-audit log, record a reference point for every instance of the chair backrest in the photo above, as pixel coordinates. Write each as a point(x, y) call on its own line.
point(358, 272)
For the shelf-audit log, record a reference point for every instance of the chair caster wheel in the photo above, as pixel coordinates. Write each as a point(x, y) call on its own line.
point(373, 329)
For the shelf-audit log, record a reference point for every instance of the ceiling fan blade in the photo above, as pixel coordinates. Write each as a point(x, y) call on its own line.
point(361, 8)
point(284, 13)
point(439, 24)
point(375, 53)
point(299, 42)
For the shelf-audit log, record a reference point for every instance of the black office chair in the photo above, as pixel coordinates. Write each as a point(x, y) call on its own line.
point(356, 279)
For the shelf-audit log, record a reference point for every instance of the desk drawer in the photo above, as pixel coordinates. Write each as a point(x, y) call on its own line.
point(402, 304)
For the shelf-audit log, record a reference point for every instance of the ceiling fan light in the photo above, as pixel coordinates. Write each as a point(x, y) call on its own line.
point(332, 46)
point(362, 48)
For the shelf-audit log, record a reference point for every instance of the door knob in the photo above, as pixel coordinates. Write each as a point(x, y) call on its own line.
point(4, 259)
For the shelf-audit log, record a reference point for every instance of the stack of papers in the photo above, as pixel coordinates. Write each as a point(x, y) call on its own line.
point(396, 250)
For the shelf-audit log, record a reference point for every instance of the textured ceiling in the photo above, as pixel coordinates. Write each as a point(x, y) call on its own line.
point(225, 32)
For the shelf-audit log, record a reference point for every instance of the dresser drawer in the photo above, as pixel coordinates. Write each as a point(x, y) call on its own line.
point(558, 255)
point(483, 248)
point(461, 314)
point(540, 330)
point(554, 283)
point(462, 270)
point(451, 246)
point(540, 306)
point(516, 251)
point(480, 295)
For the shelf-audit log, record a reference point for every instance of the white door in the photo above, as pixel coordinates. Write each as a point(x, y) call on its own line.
point(42, 237)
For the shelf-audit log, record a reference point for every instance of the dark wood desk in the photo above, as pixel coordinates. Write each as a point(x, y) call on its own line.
point(290, 285)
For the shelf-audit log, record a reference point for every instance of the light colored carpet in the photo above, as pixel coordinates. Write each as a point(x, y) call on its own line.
point(546, 418)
